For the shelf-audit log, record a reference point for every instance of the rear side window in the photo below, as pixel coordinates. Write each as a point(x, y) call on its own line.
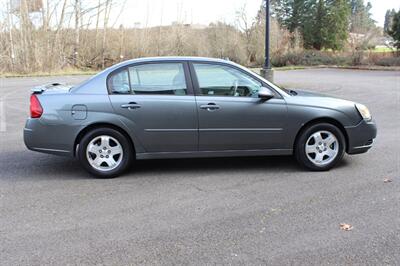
point(162, 78)
point(119, 82)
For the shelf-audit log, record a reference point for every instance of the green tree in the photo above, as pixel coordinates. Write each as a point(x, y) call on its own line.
point(323, 23)
point(316, 27)
point(361, 21)
point(280, 9)
point(311, 21)
point(387, 26)
point(336, 24)
point(289, 13)
point(297, 15)
point(395, 30)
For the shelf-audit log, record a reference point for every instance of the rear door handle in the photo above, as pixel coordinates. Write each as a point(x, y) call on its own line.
point(131, 105)
point(209, 107)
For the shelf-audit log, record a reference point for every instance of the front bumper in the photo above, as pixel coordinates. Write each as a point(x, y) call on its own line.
point(361, 137)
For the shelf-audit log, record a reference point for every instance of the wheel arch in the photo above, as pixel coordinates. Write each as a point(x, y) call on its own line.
point(319, 120)
point(90, 127)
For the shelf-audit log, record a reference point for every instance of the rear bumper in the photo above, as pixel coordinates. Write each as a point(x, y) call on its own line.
point(47, 139)
point(361, 136)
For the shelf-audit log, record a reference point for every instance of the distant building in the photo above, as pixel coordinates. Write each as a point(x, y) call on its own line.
point(376, 41)
point(190, 25)
point(197, 26)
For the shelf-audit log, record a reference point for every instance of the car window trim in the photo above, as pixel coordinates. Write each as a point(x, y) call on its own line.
point(188, 80)
point(129, 80)
point(196, 85)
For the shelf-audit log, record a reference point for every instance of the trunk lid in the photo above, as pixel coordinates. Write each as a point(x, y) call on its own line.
point(52, 88)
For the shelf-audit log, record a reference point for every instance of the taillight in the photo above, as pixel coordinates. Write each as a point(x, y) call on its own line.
point(36, 108)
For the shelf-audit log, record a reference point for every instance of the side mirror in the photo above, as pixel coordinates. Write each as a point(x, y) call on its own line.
point(265, 93)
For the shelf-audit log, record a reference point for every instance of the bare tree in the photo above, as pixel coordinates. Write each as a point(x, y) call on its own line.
point(10, 32)
point(75, 55)
point(107, 10)
point(244, 25)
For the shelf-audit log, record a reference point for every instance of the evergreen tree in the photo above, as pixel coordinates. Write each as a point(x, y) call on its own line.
point(337, 23)
point(324, 24)
point(288, 12)
point(395, 30)
point(281, 10)
point(387, 26)
point(361, 21)
point(296, 15)
point(308, 23)
point(318, 27)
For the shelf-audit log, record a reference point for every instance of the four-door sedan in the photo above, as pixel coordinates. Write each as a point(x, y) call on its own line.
point(180, 107)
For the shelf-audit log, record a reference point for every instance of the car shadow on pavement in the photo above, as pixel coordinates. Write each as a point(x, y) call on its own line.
point(267, 164)
point(270, 163)
point(34, 165)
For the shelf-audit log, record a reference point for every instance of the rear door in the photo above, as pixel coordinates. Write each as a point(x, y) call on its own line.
point(158, 99)
point(231, 116)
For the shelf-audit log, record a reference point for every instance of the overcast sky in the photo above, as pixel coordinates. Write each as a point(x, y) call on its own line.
point(156, 12)
point(164, 12)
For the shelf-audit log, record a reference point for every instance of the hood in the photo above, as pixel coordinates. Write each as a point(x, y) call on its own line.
point(306, 93)
point(315, 99)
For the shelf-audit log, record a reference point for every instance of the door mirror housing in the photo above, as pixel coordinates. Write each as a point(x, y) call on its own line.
point(265, 93)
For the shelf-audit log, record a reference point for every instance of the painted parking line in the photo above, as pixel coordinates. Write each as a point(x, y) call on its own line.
point(3, 124)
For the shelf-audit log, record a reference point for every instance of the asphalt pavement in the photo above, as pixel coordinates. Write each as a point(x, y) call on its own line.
point(264, 210)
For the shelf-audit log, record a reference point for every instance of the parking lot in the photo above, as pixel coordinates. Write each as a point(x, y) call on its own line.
point(263, 210)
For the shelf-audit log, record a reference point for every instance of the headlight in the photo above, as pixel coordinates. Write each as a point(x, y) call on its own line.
point(363, 110)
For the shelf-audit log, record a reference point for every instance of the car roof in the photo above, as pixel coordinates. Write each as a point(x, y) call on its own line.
point(168, 58)
point(174, 58)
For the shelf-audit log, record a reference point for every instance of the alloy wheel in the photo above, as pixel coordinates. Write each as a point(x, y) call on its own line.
point(322, 147)
point(104, 153)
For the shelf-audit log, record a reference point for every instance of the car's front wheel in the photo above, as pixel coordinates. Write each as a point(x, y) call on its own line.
point(105, 152)
point(320, 147)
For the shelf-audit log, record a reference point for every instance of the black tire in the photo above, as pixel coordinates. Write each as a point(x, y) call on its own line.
point(305, 134)
point(127, 158)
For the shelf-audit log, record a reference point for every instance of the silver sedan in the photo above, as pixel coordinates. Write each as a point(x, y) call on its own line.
point(180, 107)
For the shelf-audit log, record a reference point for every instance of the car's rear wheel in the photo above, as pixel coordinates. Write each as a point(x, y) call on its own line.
point(320, 147)
point(105, 152)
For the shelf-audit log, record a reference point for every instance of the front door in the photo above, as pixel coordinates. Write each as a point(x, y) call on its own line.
point(231, 116)
point(157, 98)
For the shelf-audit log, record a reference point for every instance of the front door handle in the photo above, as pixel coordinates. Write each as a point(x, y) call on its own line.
point(131, 105)
point(209, 107)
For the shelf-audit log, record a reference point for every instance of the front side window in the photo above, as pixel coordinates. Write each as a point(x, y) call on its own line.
point(162, 78)
point(221, 80)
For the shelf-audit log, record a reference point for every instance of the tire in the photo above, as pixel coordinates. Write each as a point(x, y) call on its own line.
point(114, 148)
point(317, 150)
